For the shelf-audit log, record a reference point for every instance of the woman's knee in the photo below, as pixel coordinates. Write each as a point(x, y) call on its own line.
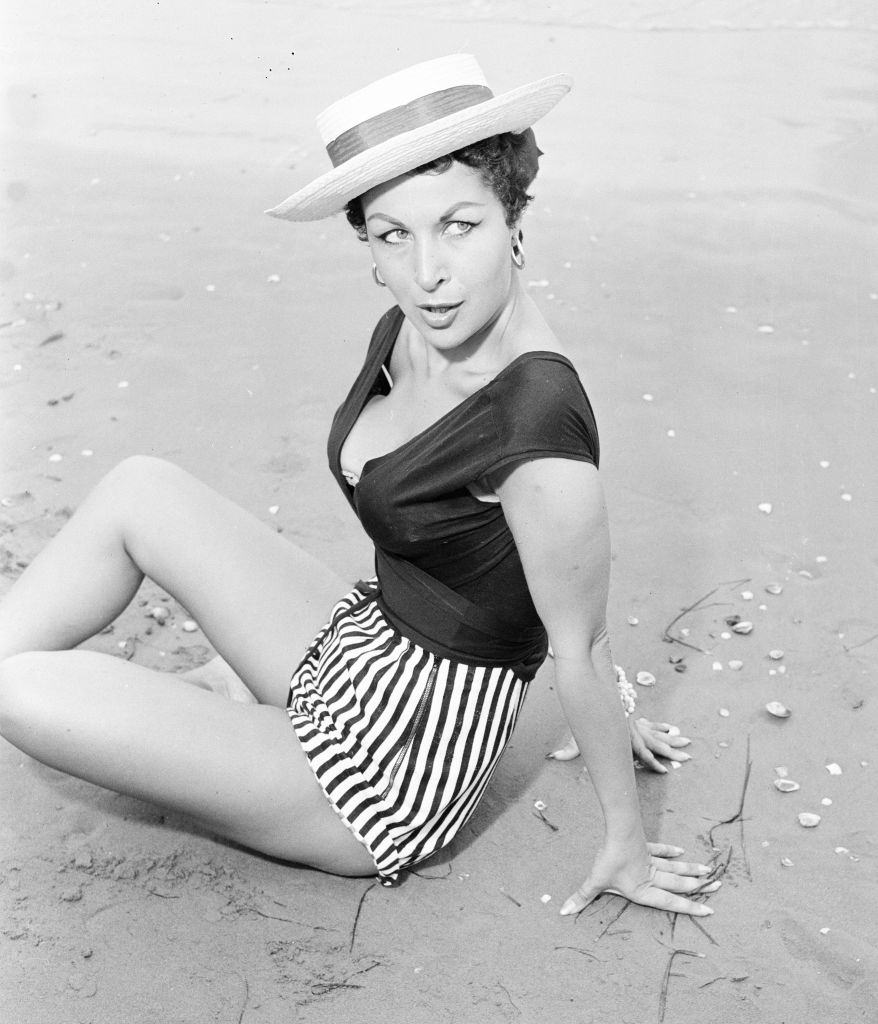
point(141, 477)
point(24, 699)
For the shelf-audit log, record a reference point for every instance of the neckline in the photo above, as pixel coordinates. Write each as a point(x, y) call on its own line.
point(373, 368)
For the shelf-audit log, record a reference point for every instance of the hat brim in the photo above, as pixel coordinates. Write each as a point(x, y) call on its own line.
point(512, 111)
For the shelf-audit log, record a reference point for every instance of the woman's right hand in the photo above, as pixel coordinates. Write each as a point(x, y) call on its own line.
point(650, 876)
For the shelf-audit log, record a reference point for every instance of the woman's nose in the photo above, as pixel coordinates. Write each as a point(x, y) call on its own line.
point(429, 267)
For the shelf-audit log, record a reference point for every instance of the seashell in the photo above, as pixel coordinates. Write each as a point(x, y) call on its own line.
point(736, 665)
point(824, 931)
point(808, 820)
point(765, 507)
point(681, 666)
point(774, 707)
point(834, 769)
point(717, 666)
point(743, 627)
point(159, 614)
point(566, 753)
point(842, 849)
point(826, 801)
point(725, 635)
point(189, 626)
point(775, 655)
point(539, 805)
point(786, 785)
point(747, 595)
point(545, 899)
point(645, 679)
point(724, 712)
point(774, 588)
point(786, 862)
point(633, 620)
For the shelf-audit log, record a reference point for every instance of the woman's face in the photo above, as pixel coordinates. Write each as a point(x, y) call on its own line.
point(441, 243)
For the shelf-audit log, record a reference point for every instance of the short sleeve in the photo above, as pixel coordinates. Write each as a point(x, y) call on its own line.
point(539, 410)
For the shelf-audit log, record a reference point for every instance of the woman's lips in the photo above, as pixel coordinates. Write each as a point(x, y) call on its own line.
point(439, 314)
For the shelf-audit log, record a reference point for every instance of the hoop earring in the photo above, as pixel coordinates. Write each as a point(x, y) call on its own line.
point(517, 251)
point(376, 277)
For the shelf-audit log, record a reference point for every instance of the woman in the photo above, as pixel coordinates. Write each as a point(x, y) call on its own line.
point(468, 449)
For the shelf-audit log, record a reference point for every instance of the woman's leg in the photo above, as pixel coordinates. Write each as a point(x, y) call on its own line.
point(236, 768)
point(258, 598)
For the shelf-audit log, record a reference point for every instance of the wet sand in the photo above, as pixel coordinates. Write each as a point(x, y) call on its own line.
point(704, 235)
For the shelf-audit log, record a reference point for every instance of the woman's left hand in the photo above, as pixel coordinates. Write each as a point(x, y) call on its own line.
point(649, 741)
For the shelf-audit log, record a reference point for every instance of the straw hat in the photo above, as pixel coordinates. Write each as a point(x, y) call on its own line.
point(407, 119)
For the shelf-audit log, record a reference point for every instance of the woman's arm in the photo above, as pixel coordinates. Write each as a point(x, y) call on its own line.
point(556, 512)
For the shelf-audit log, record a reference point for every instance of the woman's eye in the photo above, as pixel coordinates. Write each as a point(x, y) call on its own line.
point(394, 236)
point(460, 227)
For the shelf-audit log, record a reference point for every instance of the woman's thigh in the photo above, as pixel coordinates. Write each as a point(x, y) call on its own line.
point(238, 769)
point(258, 598)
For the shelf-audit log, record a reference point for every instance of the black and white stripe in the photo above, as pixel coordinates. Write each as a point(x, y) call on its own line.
point(402, 741)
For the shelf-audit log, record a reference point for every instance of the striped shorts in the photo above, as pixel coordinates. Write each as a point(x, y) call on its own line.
point(402, 741)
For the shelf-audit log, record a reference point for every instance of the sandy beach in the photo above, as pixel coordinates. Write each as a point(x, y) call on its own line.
point(703, 241)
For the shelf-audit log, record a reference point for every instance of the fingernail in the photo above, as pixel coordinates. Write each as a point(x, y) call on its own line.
point(708, 910)
point(568, 908)
point(663, 770)
point(683, 741)
point(678, 850)
point(703, 869)
point(684, 757)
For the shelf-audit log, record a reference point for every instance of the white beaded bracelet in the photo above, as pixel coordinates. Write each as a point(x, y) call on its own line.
point(626, 691)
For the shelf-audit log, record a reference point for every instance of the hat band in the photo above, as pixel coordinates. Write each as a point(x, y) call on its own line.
point(416, 114)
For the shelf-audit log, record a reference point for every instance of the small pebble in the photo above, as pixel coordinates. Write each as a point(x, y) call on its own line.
point(545, 899)
point(774, 588)
point(189, 626)
point(736, 665)
point(717, 666)
point(743, 627)
point(765, 329)
point(781, 670)
point(724, 712)
point(210, 288)
point(826, 801)
point(55, 457)
point(87, 452)
point(273, 510)
point(847, 497)
point(824, 931)
point(731, 309)
point(647, 398)
point(786, 862)
point(808, 820)
point(645, 679)
point(633, 620)
point(160, 614)
point(775, 654)
point(821, 559)
point(725, 635)
point(842, 849)
point(747, 595)
point(824, 464)
point(765, 507)
point(539, 805)
point(834, 769)
point(723, 744)
point(273, 278)
point(781, 771)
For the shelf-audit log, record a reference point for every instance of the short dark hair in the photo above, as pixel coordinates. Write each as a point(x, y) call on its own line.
point(507, 163)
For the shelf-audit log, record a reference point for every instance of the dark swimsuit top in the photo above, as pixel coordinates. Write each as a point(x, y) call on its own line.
point(448, 570)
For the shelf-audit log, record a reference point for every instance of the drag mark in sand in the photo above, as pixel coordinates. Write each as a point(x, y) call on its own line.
point(738, 816)
point(366, 892)
point(666, 980)
point(698, 605)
